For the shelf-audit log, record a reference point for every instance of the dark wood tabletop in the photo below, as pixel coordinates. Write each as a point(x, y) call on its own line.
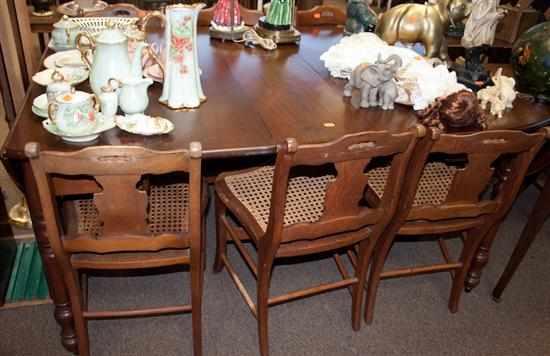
point(255, 99)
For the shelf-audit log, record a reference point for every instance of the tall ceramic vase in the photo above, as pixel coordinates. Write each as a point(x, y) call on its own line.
point(182, 84)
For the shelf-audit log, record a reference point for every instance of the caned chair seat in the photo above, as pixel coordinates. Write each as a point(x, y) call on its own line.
point(304, 201)
point(433, 187)
point(168, 210)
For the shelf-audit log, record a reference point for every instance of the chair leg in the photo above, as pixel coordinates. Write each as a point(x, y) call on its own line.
point(473, 240)
point(75, 298)
point(262, 306)
point(365, 252)
point(377, 268)
point(537, 217)
point(197, 279)
point(221, 235)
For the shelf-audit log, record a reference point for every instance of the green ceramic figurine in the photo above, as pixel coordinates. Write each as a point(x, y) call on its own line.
point(280, 14)
point(277, 25)
point(361, 18)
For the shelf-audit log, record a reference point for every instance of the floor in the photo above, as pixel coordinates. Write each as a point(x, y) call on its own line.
point(411, 316)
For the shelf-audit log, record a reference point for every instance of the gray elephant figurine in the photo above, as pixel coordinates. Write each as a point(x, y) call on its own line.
point(376, 82)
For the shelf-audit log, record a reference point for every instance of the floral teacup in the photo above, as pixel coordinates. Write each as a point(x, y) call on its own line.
point(74, 113)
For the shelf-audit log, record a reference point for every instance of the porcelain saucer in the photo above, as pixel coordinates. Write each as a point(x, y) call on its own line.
point(141, 124)
point(70, 58)
point(40, 106)
point(73, 75)
point(39, 112)
point(103, 125)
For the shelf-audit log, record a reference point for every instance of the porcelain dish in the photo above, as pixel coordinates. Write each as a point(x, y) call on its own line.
point(141, 124)
point(103, 124)
point(40, 106)
point(72, 75)
point(70, 58)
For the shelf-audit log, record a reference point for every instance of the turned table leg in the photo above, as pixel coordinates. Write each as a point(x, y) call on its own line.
point(58, 293)
point(537, 217)
point(481, 259)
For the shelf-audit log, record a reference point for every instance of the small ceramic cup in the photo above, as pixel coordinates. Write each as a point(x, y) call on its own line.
point(74, 113)
point(57, 87)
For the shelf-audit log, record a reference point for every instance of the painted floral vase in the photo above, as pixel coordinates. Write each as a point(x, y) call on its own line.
point(182, 85)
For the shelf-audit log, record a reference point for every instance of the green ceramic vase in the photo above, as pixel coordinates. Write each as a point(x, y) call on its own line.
point(531, 61)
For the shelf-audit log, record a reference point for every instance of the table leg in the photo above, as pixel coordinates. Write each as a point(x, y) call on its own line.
point(535, 222)
point(58, 293)
point(481, 259)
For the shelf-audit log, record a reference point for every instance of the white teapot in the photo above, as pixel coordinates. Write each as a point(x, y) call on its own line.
point(110, 57)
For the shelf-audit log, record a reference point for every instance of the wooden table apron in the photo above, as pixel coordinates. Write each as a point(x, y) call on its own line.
point(255, 99)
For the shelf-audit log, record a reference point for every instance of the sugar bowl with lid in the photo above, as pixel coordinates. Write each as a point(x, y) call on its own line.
point(74, 113)
point(64, 33)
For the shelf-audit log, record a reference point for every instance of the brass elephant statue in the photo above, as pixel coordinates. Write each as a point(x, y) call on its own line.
point(427, 24)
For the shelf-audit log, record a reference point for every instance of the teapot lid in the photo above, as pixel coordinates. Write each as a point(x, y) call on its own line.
point(65, 23)
point(111, 35)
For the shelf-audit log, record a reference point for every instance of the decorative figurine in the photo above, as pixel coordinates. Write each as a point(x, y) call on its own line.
point(479, 35)
point(277, 25)
point(376, 82)
point(227, 23)
point(501, 96)
point(182, 87)
point(361, 18)
point(457, 112)
point(531, 62)
point(428, 24)
point(251, 39)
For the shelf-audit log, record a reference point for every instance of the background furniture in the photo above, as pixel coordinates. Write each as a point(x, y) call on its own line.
point(18, 58)
point(155, 225)
point(256, 99)
point(537, 176)
point(442, 198)
point(321, 15)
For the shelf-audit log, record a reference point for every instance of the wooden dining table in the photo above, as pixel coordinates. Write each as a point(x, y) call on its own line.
point(255, 99)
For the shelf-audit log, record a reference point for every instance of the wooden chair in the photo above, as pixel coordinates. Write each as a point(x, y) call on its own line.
point(125, 226)
point(540, 168)
point(249, 16)
point(324, 212)
point(321, 15)
point(447, 191)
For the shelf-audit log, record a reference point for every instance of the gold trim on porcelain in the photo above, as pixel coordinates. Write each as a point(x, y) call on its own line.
point(198, 5)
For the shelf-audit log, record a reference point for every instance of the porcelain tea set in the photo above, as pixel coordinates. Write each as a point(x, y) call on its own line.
point(116, 77)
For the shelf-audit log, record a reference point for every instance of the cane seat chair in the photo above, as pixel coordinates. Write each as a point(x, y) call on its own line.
point(456, 184)
point(302, 207)
point(134, 222)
